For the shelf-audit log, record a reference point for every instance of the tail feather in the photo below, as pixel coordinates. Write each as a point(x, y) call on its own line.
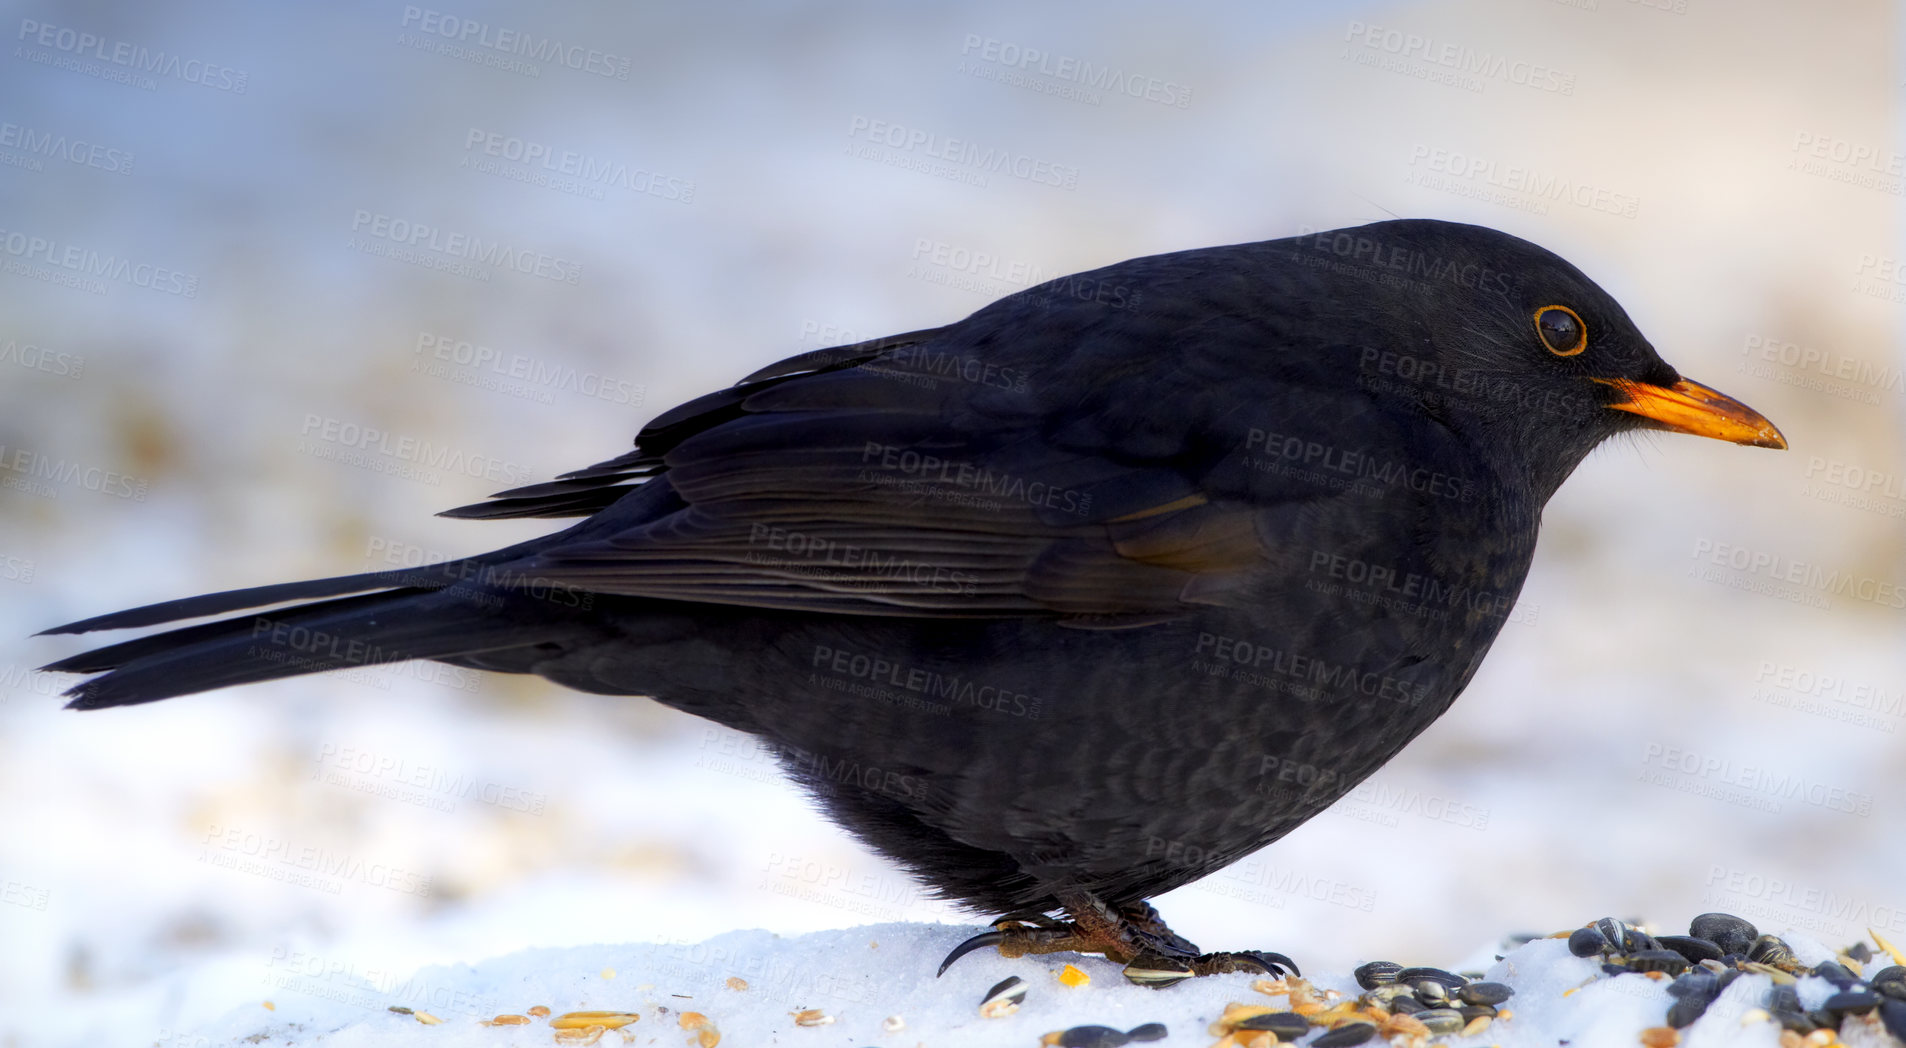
point(357, 631)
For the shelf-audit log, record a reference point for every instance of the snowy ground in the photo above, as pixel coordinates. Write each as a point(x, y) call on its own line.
point(874, 985)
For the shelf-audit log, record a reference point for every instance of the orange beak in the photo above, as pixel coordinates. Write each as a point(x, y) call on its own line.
point(1690, 407)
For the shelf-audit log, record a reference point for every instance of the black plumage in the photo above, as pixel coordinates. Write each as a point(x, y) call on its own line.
point(1068, 603)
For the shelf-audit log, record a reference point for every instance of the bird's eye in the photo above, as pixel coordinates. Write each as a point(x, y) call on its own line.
point(1561, 330)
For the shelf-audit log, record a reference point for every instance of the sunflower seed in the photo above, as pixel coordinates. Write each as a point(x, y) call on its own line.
point(1695, 950)
point(1684, 1011)
point(1769, 949)
point(1837, 974)
point(1092, 1037)
point(1442, 1020)
point(1893, 1015)
point(1004, 998)
point(1586, 942)
point(1288, 1026)
point(1658, 961)
point(1345, 1036)
point(1416, 975)
point(1377, 973)
point(1730, 933)
point(1851, 1002)
point(1485, 993)
point(1148, 1032)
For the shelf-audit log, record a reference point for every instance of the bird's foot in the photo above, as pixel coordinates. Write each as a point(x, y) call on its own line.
point(1136, 936)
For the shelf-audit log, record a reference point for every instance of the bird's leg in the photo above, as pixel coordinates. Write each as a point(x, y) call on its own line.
point(1134, 935)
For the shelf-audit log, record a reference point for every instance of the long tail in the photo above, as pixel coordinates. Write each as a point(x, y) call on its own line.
point(424, 613)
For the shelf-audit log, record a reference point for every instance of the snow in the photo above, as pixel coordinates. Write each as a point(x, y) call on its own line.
point(750, 984)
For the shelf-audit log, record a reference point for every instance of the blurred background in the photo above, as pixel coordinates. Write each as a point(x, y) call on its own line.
point(279, 283)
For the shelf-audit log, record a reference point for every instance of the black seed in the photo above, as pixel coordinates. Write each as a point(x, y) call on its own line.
point(1860, 952)
point(1891, 982)
point(1416, 975)
point(1012, 988)
point(1586, 942)
point(1695, 984)
point(1345, 1036)
point(1288, 1026)
point(1851, 1002)
point(1485, 993)
point(1658, 961)
point(1639, 940)
point(1684, 1011)
point(1834, 973)
point(1148, 1032)
point(1408, 1006)
point(1728, 977)
point(1783, 999)
point(1093, 1037)
point(1730, 933)
point(1695, 950)
point(1430, 992)
point(1770, 949)
point(1615, 969)
point(1893, 1014)
point(1442, 1020)
point(1615, 932)
point(1796, 1021)
point(1824, 1019)
point(1377, 973)
point(1475, 1011)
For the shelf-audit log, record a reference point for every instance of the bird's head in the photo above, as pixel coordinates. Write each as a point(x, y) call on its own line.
point(1513, 348)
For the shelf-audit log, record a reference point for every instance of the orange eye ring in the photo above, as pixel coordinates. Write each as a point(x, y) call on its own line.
point(1560, 324)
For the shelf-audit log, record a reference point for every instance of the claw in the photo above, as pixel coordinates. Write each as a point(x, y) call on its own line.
point(1271, 964)
point(977, 942)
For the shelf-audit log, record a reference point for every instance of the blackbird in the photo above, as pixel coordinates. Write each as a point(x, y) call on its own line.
point(1065, 604)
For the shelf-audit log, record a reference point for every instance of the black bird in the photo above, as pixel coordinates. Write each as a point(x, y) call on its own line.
point(1065, 604)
